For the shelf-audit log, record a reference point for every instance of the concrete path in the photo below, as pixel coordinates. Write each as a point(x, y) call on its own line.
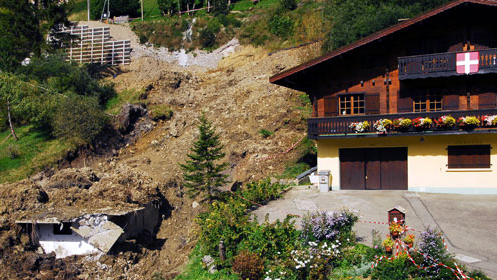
point(468, 222)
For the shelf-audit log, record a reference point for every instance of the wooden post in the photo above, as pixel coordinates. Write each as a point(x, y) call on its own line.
point(222, 251)
point(88, 7)
point(142, 8)
point(10, 121)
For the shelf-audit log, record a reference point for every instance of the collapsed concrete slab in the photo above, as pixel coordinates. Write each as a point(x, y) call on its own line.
point(89, 233)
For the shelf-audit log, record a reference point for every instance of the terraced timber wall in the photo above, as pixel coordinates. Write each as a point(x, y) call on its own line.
point(94, 45)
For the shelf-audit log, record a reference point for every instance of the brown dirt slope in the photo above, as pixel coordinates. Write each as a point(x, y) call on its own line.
point(236, 97)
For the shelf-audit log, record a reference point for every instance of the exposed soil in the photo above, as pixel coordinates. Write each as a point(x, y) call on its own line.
point(236, 96)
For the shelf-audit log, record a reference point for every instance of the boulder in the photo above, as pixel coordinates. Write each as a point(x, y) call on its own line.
point(130, 113)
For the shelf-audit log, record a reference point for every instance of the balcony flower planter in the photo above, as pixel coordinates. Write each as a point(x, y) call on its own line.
point(489, 121)
point(402, 124)
point(468, 122)
point(360, 127)
point(446, 122)
point(422, 123)
point(382, 126)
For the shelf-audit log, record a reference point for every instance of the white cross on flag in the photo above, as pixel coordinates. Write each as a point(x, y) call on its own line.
point(467, 62)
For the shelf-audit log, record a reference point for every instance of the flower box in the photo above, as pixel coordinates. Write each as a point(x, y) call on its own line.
point(422, 123)
point(489, 120)
point(468, 122)
point(402, 124)
point(382, 125)
point(446, 122)
point(360, 127)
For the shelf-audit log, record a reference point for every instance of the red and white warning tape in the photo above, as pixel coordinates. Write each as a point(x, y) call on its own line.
point(282, 153)
point(402, 245)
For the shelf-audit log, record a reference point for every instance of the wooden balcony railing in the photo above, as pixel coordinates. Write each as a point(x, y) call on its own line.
point(339, 126)
point(442, 64)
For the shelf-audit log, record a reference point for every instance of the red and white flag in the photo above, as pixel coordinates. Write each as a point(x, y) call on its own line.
point(467, 62)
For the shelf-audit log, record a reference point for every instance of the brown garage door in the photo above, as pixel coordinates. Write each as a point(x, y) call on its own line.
point(373, 169)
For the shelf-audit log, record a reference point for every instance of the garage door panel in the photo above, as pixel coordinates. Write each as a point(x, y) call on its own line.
point(394, 169)
point(373, 169)
point(352, 163)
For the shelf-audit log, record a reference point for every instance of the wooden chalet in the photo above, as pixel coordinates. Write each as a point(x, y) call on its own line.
point(442, 63)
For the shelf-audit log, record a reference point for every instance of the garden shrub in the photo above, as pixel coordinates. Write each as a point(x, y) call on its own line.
point(225, 221)
point(248, 265)
point(262, 191)
point(271, 240)
point(330, 226)
point(313, 260)
point(433, 251)
point(396, 269)
point(478, 275)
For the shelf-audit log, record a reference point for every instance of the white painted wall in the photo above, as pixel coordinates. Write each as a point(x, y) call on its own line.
point(63, 245)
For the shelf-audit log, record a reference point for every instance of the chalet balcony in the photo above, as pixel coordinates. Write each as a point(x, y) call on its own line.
point(443, 65)
point(332, 127)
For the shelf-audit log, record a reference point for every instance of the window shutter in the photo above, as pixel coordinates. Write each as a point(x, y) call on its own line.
point(487, 100)
point(471, 156)
point(330, 106)
point(404, 104)
point(372, 103)
point(450, 102)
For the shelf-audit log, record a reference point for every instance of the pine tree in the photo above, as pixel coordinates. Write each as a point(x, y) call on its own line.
point(201, 173)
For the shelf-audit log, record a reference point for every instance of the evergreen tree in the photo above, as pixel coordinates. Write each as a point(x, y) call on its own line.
point(201, 173)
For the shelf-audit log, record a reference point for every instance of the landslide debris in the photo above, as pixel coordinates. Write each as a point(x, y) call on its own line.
point(236, 97)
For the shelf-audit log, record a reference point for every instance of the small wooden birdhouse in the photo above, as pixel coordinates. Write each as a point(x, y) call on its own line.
point(397, 215)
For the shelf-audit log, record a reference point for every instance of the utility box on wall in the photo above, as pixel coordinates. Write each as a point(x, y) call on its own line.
point(324, 180)
point(397, 215)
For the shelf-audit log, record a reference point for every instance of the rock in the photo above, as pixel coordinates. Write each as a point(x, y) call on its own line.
point(154, 143)
point(195, 204)
point(130, 113)
point(42, 196)
point(208, 261)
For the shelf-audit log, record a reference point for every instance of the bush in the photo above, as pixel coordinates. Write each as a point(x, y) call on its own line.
point(262, 191)
point(117, 8)
point(13, 151)
point(478, 275)
point(288, 4)
point(265, 133)
point(315, 260)
point(271, 240)
point(248, 265)
point(433, 251)
point(322, 226)
point(396, 269)
point(161, 112)
point(225, 221)
point(78, 119)
point(209, 33)
point(281, 26)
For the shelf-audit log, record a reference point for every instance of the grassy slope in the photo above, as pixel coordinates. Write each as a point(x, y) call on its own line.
point(36, 148)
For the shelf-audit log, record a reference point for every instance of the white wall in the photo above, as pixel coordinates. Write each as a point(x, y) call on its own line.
point(63, 245)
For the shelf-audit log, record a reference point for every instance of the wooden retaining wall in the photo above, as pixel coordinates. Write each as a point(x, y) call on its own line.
point(94, 45)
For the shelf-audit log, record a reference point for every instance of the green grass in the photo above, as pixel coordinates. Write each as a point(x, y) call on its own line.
point(114, 104)
point(150, 8)
point(37, 150)
point(195, 271)
point(79, 11)
point(245, 5)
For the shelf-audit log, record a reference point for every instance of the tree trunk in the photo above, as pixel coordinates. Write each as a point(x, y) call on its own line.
point(10, 121)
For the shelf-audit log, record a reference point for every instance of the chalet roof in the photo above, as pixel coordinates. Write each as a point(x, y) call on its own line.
point(280, 78)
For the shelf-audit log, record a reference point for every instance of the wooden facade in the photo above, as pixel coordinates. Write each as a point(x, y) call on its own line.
point(442, 63)
point(393, 71)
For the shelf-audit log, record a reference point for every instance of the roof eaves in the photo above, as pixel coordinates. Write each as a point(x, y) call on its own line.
point(375, 36)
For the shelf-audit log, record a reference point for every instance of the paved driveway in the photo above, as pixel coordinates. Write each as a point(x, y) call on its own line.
point(469, 222)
